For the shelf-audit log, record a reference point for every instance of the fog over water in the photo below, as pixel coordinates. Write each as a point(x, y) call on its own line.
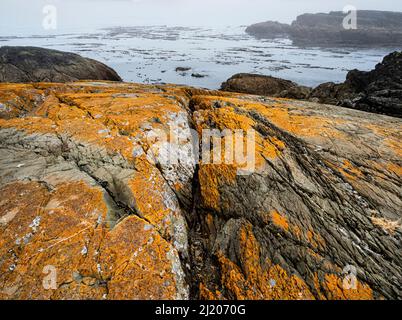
point(22, 16)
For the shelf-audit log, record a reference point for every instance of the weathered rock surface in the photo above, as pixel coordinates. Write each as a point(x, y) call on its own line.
point(88, 196)
point(327, 183)
point(266, 86)
point(32, 64)
point(374, 28)
point(379, 90)
point(83, 194)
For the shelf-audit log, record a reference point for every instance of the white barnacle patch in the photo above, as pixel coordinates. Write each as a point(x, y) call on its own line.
point(99, 220)
point(35, 224)
point(27, 238)
point(84, 251)
point(175, 153)
point(182, 289)
point(138, 152)
point(175, 221)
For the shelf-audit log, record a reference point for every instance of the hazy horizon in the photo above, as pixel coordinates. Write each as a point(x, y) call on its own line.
point(22, 17)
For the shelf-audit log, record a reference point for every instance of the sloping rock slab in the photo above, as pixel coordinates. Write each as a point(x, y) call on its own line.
point(90, 209)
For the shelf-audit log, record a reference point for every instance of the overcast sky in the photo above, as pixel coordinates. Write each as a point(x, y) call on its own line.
point(21, 16)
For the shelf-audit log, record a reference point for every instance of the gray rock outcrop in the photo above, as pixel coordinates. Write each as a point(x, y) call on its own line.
point(379, 90)
point(265, 86)
point(32, 64)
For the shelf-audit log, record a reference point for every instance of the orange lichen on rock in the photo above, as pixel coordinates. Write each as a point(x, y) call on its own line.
point(206, 294)
point(351, 170)
point(283, 115)
point(279, 220)
point(18, 99)
point(211, 178)
point(30, 125)
point(336, 290)
point(252, 278)
point(315, 239)
point(395, 168)
point(64, 237)
point(49, 236)
point(107, 119)
point(93, 208)
point(224, 118)
point(256, 280)
point(139, 263)
point(154, 201)
point(95, 135)
point(391, 137)
point(225, 114)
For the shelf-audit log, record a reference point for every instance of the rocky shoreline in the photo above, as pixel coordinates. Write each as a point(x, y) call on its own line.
point(92, 207)
point(377, 91)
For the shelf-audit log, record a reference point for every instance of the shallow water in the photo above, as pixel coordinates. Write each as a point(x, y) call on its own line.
point(152, 53)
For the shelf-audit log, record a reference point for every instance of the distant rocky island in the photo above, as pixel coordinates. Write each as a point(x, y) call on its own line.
point(374, 28)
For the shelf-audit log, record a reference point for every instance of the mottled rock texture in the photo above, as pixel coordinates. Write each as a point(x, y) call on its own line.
point(85, 197)
point(32, 64)
point(86, 193)
point(373, 29)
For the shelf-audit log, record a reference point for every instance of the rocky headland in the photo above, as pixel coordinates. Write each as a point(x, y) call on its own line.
point(374, 28)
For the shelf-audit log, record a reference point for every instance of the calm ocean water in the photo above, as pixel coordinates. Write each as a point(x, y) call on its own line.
point(151, 54)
